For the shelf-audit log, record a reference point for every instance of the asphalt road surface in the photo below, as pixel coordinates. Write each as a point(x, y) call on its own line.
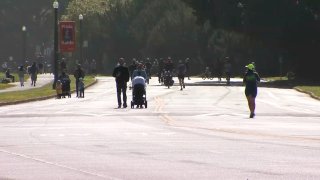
point(202, 132)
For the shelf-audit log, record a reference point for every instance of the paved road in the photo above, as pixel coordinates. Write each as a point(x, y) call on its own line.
point(202, 132)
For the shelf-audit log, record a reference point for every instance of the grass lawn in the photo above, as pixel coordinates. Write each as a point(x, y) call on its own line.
point(314, 89)
point(38, 92)
point(4, 85)
point(16, 78)
point(307, 86)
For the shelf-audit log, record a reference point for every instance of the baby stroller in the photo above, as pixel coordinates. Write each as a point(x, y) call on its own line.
point(139, 97)
point(66, 87)
point(168, 81)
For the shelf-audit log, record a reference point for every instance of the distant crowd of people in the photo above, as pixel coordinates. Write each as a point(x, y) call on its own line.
point(142, 70)
point(139, 72)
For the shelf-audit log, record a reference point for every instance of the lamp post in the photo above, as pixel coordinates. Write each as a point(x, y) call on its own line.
point(24, 44)
point(80, 41)
point(241, 7)
point(56, 51)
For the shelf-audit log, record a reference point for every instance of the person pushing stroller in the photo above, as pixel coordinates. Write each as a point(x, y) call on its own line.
point(138, 92)
point(139, 88)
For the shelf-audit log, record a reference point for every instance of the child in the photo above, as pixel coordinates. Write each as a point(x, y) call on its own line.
point(81, 88)
point(59, 89)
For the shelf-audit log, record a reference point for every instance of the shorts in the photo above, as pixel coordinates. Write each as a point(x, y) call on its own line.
point(180, 76)
point(251, 92)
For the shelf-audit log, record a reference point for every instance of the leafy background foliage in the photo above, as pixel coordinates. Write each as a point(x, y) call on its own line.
point(207, 31)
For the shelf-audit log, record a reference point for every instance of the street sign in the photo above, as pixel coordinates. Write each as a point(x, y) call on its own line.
point(67, 36)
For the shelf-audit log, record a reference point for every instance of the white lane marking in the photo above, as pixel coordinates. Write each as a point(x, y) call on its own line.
point(286, 108)
point(153, 133)
point(87, 114)
point(216, 152)
point(63, 135)
point(271, 95)
point(220, 115)
point(58, 165)
point(298, 100)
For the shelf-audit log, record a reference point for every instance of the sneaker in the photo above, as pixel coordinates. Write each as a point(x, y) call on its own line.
point(252, 115)
point(124, 106)
point(119, 106)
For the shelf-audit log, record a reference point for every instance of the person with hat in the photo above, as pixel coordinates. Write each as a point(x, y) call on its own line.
point(251, 79)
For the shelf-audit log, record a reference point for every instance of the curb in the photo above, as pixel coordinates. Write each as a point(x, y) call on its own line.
point(40, 98)
point(307, 92)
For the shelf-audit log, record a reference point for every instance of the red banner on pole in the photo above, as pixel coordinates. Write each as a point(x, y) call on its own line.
point(67, 36)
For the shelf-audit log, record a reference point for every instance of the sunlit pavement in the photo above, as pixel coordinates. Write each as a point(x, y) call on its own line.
point(202, 132)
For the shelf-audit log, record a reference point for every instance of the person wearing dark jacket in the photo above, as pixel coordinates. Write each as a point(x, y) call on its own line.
point(251, 79)
point(121, 74)
point(78, 73)
point(34, 73)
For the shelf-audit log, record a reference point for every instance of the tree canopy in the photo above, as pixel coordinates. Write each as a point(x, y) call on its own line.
point(272, 33)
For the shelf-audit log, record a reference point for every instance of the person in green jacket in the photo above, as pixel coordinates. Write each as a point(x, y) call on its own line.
point(251, 79)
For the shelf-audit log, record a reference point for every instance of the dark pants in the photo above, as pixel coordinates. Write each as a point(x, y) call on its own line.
point(122, 87)
point(77, 86)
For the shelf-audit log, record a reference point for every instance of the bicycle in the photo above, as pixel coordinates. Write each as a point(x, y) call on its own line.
point(207, 75)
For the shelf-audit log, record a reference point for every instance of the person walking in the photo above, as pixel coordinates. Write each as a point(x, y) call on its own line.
point(140, 72)
point(181, 74)
point(251, 79)
point(93, 67)
point(34, 73)
point(187, 68)
point(121, 74)
point(21, 72)
point(65, 80)
point(132, 67)
point(227, 70)
point(78, 73)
